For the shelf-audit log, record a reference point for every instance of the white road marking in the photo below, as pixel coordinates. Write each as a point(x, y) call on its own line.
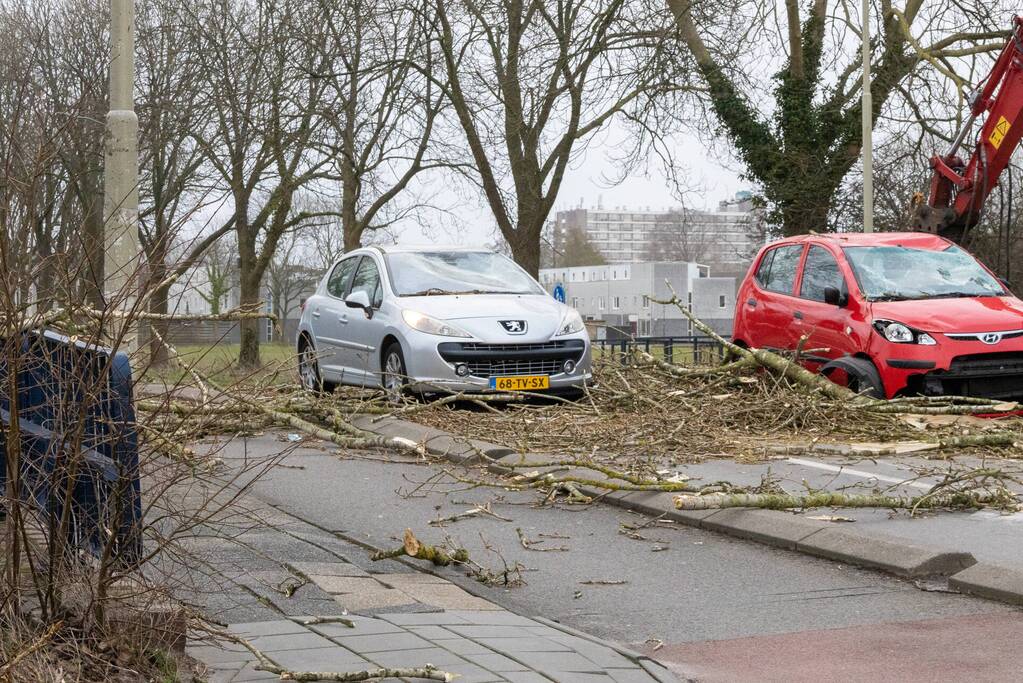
point(860, 473)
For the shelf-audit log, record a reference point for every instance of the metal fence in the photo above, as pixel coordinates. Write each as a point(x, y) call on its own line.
point(685, 350)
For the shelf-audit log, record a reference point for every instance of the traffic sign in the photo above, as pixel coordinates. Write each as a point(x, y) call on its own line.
point(559, 292)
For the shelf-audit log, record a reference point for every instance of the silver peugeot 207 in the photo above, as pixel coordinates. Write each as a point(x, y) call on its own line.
point(439, 320)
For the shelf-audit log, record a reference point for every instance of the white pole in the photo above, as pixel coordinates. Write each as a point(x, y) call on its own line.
point(121, 254)
point(868, 125)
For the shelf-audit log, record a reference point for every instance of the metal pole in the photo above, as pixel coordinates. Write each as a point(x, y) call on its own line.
point(121, 261)
point(868, 125)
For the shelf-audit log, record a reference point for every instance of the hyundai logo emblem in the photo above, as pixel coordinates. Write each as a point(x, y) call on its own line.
point(991, 338)
point(514, 326)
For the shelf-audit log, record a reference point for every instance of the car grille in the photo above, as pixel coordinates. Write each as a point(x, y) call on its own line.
point(515, 367)
point(488, 360)
point(982, 375)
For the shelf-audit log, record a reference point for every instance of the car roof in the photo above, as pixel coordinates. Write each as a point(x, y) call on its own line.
point(916, 240)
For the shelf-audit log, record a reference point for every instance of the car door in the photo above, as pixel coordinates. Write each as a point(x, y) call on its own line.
point(362, 330)
point(824, 324)
point(327, 313)
point(769, 303)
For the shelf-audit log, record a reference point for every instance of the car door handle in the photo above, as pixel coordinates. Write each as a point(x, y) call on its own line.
point(343, 319)
point(316, 313)
point(797, 315)
point(751, 302)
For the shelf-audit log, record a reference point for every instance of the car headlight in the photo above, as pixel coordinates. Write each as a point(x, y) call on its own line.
point(898, 333)
point(425, 323)
point(572, 323)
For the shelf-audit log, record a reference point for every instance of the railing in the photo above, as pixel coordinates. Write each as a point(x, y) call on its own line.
point(685, 350)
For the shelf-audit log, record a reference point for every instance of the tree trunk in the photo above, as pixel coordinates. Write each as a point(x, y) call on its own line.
point(526, 251)
point(248, 356)
point(158, 354)
point(808, 211)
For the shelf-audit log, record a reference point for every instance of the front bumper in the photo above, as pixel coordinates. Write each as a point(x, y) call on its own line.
point(954, 368)
point(433, 369)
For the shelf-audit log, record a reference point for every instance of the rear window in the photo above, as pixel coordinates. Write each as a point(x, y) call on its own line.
point(777, 271)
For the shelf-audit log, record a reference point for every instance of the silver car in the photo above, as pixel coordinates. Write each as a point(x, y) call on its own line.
point(439, 320)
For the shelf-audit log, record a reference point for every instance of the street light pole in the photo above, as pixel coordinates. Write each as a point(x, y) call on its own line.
point(121, 257)
point(868, 126)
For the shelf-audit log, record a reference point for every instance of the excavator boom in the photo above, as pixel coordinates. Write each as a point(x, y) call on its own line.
point(960, 188)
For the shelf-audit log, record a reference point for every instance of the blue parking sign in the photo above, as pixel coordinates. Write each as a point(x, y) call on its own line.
point(559, 292)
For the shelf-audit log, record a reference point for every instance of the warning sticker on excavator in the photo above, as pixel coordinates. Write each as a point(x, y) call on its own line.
point(1000, 131)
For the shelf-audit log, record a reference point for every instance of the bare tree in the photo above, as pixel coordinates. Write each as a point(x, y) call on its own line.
point(379, 130)
point(802, 136)
point(288, 276)
point(219, 272)
point(530, 82)
point(261, 78)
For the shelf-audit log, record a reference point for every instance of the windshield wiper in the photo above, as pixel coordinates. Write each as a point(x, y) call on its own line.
point(432, 291)
point(892, 296)
point(436, 291)
point(957, 295)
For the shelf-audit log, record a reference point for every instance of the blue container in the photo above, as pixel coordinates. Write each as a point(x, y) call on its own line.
point(79, 457)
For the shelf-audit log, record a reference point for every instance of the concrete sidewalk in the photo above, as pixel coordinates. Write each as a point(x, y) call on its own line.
point(266, 581)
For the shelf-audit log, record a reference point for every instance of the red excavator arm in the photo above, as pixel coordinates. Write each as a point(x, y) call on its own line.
point(959, 189)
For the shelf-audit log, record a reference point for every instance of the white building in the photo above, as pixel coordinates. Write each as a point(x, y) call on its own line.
point(623, 295)
point(726, 239)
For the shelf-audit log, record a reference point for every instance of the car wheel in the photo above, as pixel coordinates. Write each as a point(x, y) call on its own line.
point(309, 369)
point(857, 374)
point(394, 377)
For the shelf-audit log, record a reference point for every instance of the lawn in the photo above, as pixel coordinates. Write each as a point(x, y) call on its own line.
point(218, 362)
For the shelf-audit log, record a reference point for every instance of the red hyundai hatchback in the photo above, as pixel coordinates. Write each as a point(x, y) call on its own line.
point(886, 314)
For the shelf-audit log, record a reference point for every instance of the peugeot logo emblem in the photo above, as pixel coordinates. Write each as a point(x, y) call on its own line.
point(991, 338)
point(514, 326)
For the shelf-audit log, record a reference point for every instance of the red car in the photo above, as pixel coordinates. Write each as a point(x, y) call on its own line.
point(886, 314)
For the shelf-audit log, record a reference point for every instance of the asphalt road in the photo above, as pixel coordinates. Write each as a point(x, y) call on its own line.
point(715, 608)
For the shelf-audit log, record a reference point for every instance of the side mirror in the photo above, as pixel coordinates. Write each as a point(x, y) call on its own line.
point(833, 296)
point(359, 299)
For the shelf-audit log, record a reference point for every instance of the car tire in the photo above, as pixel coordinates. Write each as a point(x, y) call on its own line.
point(309, 370)
point(393, 373)
point(861, 376)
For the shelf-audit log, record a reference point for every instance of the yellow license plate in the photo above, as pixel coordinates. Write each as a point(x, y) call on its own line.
point(521, 383)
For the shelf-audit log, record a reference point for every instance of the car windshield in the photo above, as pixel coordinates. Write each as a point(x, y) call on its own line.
point(435, 273)
point(894, 273)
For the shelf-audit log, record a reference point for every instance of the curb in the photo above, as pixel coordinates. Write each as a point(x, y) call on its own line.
point(775, 528)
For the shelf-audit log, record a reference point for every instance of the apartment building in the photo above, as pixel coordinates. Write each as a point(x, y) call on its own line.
point(624, 295)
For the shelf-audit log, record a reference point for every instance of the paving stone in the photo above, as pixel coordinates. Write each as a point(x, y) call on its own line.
point(547, 662)
point(602, 655)
point(524, 644)
point(497, 662)
point(262, 628)
point(414, 579)
point(383, 642)
point(221, 675)
point(637, 675)
point(328, 569)
point(496, 618)
point(346, 584)
point(577, 677)
point(307, 640)
point(462, 646)
point(368, 600)
point(213, 655)
point(319, 659)
point(473, 673)
point(431, 618)
point(413, 658)
point(525, 677)
point(249, 674)
point(477, 631)
point(431, 632)
point(362, 626)
point(448, 596)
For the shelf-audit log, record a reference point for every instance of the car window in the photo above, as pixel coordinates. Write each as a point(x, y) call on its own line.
point(765, 266)
point(781, 273)
point(821, 271)
point(367, 279)
point(338, 281)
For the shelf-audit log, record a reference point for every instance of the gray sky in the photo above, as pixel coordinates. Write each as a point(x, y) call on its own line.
point(712, 179)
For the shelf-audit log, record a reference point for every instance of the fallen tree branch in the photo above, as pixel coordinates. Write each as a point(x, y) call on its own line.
point(414, 548)
point(777, 501)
